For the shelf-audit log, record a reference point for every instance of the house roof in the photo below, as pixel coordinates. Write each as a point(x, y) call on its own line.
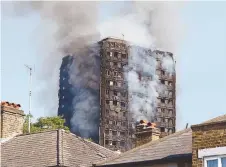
point(219, 119)
point(175, 145)
point(51, 148)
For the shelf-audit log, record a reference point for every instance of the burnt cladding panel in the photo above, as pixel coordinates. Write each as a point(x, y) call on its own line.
point(114, 96)
point(65, 94)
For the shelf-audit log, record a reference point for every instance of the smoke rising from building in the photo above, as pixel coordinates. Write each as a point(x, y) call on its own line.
point(142, 82)
point(68, 28)
point(85, 80)
point(153, 25)
point(149, 24)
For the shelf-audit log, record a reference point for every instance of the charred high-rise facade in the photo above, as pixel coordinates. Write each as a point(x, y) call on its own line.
point(112, 117)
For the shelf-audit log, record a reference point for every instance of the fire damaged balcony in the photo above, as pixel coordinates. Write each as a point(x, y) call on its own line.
point(113, 65)
point(116, 56)
point(115, 117)
point(116, 95)
point(113, 126)
point(115, 135)
point(114, 75)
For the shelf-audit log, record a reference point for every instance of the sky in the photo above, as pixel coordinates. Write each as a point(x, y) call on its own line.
point(201, 61)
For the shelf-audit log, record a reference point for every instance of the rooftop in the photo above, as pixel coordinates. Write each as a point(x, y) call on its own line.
point(176, 145)
point(51, 148)
point(220, 119)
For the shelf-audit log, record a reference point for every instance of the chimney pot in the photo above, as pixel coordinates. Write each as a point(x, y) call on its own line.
point(11, 123)
point(146, 132)
point(141, 121)
point(149, 124)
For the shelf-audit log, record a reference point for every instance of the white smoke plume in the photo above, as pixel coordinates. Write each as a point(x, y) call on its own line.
point(142, 83)
point(156, 26)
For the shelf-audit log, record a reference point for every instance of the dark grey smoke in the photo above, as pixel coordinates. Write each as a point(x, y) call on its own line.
point(69, 27)
point(85, 81)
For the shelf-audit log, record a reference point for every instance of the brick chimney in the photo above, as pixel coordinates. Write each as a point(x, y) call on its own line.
point(12, 119)
point(146, 132)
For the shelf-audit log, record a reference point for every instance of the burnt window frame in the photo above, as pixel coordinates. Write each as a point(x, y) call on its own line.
point(123, 104)
point(124, 56)
point(115, 102)
point(115, 93)
point(124, 114)
point(114, 132)
point(116, 55)
point(162, 129)
point(107, 72)
point(114, 143)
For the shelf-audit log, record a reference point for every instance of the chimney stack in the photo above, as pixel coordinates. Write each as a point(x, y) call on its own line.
point(12, 120)
point(146, 132)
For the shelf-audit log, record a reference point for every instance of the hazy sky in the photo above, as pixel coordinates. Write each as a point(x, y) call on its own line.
point(201, 67)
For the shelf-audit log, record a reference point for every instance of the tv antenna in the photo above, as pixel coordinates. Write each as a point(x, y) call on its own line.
point(187, 126)
point(30, 82)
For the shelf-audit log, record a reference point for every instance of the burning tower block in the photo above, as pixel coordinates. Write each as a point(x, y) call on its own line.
point(109, 117)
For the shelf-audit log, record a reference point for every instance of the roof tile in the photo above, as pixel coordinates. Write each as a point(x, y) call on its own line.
point(51, 148)
point(175, 144)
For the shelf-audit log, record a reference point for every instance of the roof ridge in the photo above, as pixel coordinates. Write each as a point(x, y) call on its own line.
point(212, 121)
point(145, 145)
point(87, 142)
point(27, 134)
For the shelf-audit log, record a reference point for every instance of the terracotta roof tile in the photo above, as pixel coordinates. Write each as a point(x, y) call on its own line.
point(8, 104)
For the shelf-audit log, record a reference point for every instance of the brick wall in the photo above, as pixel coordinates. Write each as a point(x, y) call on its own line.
point(207, 136)
point(145, 134)
point(11, 121)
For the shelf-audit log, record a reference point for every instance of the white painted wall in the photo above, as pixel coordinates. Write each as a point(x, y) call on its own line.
point(211, 152)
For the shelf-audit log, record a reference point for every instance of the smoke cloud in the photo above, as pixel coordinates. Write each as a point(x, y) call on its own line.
point(69, 27)
point(153, 25)
point(142, 83)
point(85, 80)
